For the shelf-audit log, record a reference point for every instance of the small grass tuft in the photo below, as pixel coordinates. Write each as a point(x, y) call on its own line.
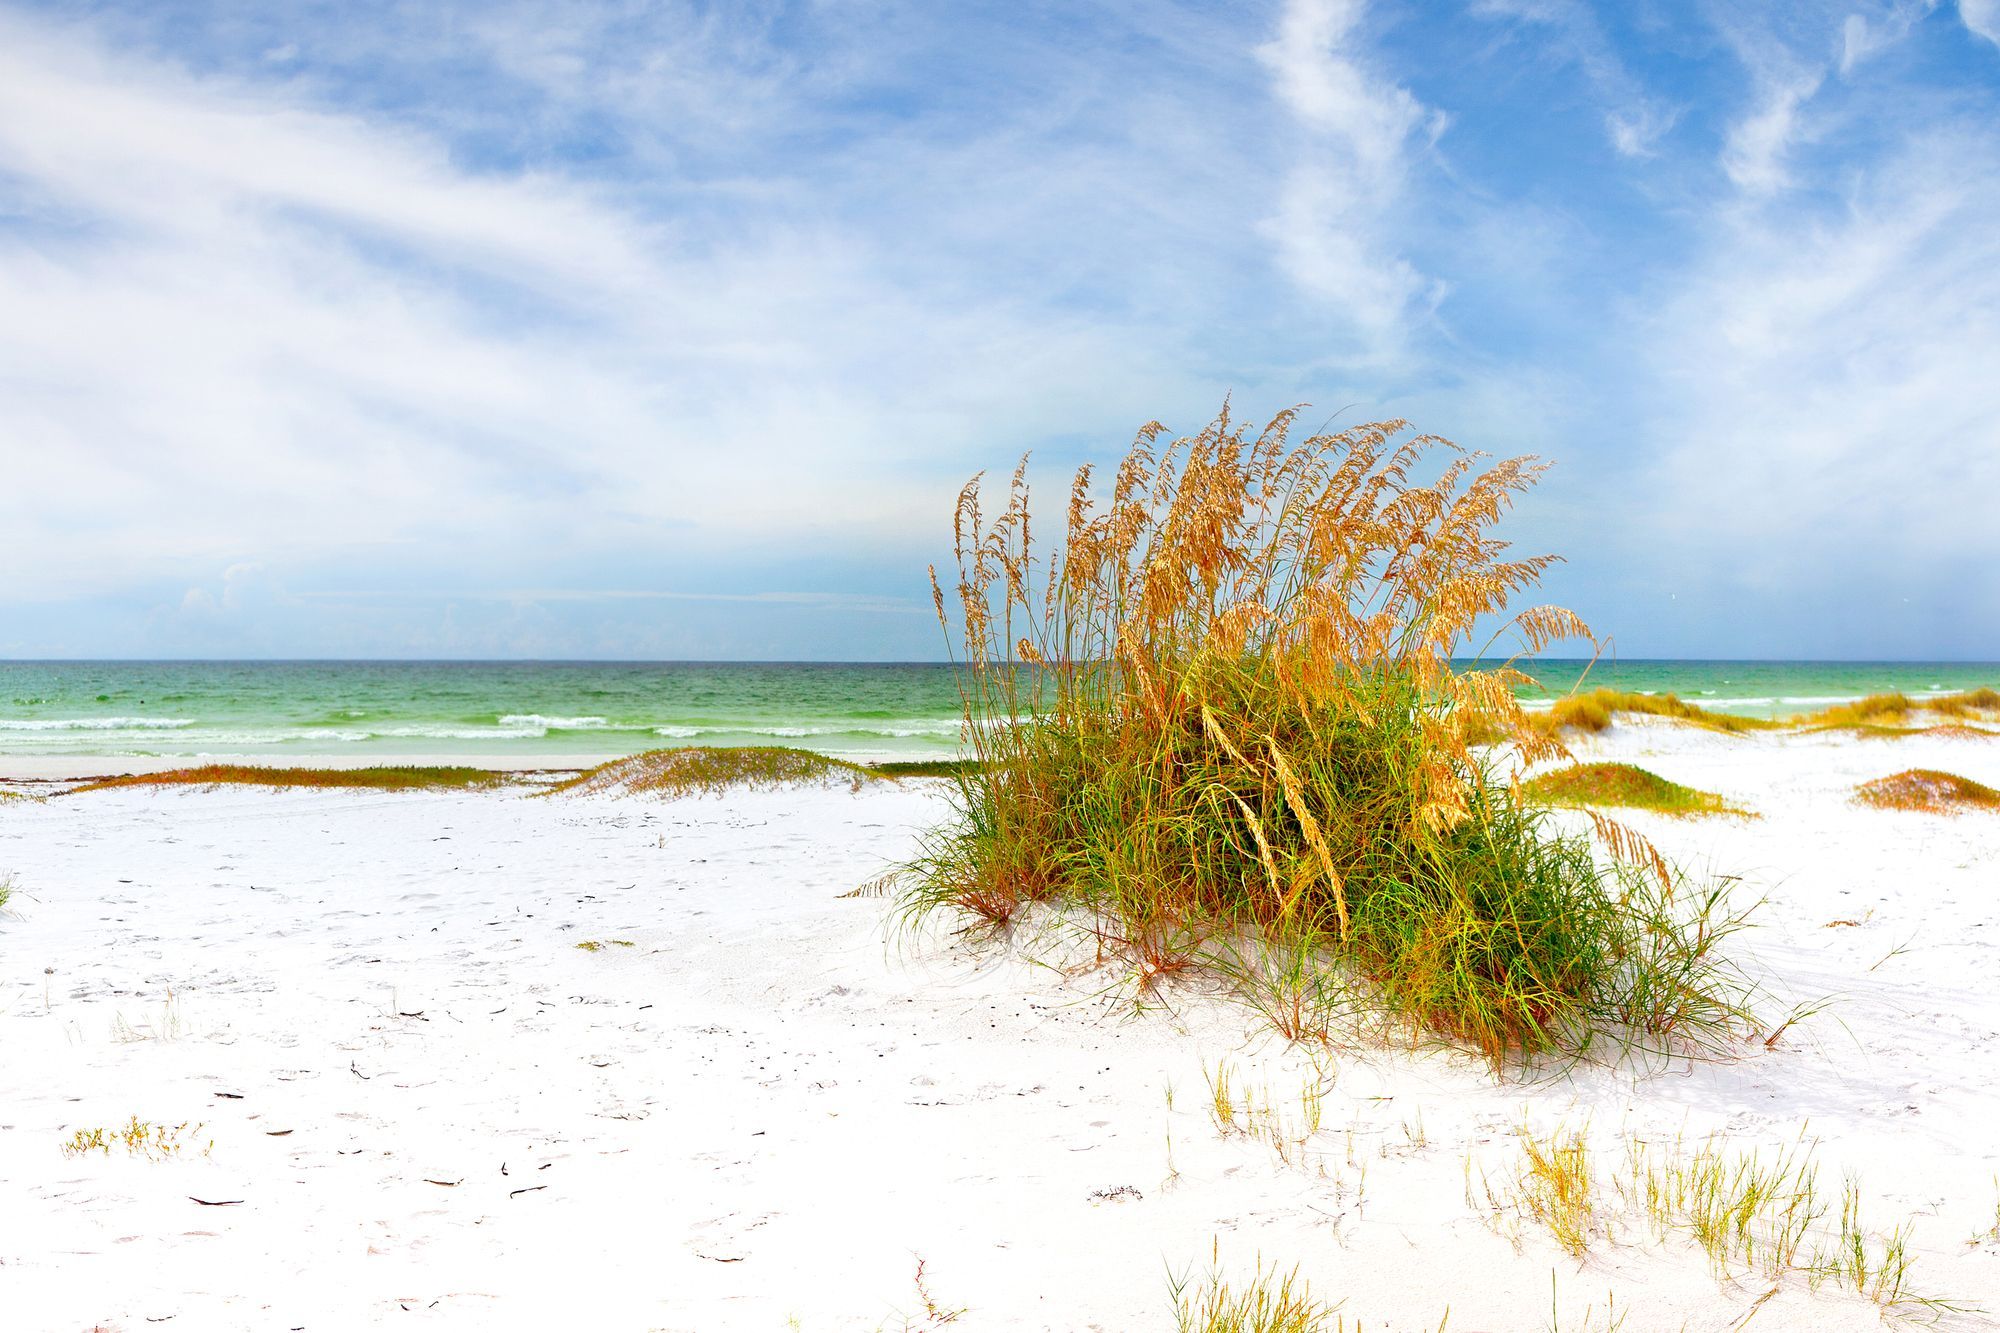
point(1273, 1302)
point(713, 770)
point(1556, 1186)
point(1927, 791)
point(141, 1138)
point(1623, 785)
point(251, 775)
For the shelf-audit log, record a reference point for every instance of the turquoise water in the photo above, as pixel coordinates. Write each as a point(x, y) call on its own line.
point(475, 710)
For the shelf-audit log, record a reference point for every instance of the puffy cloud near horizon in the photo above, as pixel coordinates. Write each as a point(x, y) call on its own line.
point(583, 330)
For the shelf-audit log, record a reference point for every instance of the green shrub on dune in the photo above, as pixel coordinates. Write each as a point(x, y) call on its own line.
point(1220, 725)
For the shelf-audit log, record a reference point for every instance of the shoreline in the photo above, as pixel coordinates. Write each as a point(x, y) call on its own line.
point(42, 769)
point(84, 768)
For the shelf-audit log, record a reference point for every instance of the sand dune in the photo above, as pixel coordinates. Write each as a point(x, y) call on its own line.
point(429, 1108)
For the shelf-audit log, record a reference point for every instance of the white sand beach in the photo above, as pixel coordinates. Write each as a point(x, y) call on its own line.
point(429, 1108)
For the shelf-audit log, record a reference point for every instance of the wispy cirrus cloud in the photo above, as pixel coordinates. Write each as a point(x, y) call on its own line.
point(1333, 224)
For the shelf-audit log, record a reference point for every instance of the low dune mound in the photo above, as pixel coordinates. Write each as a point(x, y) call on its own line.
point(711, 771)
point(252, 775)
point(1623, 785)
point(1929, 791)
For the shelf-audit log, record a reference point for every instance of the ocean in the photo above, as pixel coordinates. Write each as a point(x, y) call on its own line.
point(532, 710)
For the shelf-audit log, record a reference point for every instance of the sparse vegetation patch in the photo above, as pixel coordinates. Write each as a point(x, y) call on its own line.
point(140, 1138)
point(1928, 791)
point(1749, 1212)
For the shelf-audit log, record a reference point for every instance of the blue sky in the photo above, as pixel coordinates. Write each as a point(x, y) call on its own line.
point(660, 330)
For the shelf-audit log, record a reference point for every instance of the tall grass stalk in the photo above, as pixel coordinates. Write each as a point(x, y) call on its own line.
point(1218, 722)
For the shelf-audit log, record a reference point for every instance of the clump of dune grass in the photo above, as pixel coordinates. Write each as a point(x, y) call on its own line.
point(1219, 724)
point(1927, 791)
point(713, 770)
point(6, 888)
point(250, 775)
point(1593, 711)
point(1625, 786)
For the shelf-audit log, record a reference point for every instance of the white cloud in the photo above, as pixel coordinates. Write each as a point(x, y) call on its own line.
point(1982, 17)
point(1754, 152)
point(1861, 38)
point(1331, 227)
point(1636, 132)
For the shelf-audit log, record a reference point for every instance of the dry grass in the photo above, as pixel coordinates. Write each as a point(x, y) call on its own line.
point(1556, 1186)
point(1219, 723)
point(1625, 786)
point(713, 770)
point(1927, 791)
point(1898, 714)
point(1594, 711)
point(1877, 715)
point(250, 775)
point(1237, 1109)
point(1875, 711)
